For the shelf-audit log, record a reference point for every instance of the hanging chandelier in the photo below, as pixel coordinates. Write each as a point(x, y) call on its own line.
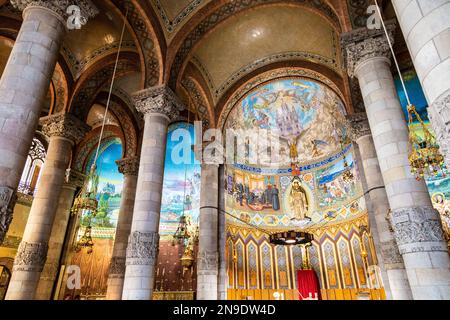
point(182, 233)
point(425, 158)
point(290, 238)
point(85, 207)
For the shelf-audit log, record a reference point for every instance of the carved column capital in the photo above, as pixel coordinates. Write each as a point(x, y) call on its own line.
point(7, 202)
point(160, 100)
point(87, 8)
point(208, 261)
point(117, 267)
point(142, 248)
point(65, 126)
point(362, 44)
point(391, 255)
point(358, 125)
point(129, 166)
point(418, 230)
point(31, 256)
point(75, 179)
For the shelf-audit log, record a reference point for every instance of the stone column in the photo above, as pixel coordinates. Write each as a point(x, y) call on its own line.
point(159, 106)
point(208, 254)
point(426, 28)
point(416, 223)
point(390, 261)
point(129, 168)
point(64, 131)
point(57, 237)
point(23, 87)
point(223, 276)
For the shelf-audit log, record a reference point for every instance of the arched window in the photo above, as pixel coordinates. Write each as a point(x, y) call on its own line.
point(33, 166)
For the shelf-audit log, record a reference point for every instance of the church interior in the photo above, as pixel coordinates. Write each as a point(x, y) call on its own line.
point(96, 97)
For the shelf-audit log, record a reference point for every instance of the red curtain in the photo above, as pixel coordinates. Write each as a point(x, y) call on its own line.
point(308, 283)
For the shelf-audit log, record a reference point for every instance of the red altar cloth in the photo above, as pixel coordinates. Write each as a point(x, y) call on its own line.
point(308, 284)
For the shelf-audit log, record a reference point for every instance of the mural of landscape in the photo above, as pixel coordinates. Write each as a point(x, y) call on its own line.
point(110, 185)
point(181, 186)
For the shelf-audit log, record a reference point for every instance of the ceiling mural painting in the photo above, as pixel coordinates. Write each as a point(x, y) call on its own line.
point(301, 113)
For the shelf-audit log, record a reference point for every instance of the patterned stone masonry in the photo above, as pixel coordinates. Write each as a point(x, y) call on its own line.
point(159, 106)
point(427, 266)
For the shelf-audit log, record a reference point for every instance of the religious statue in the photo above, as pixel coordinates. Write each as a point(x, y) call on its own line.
point(298, 201)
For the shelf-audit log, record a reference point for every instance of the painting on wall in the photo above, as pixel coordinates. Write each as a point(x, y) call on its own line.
point(303, 114)
point(181, 186)
point(332, 189)
point(95, 265)
point(275, 199)
point(109, 191)
point(415, 93)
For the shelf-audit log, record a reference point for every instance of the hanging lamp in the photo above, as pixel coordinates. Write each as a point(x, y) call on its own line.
point(424, 158)
point(86, 204)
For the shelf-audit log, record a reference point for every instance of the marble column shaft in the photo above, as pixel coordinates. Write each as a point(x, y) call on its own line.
point(64, 131)
point(390, 261)
point(159, 106)
point(426, 29)
point(416, 223)
point(129, 168)
point(208, 255)
point(223, 276)
point(57, 237)
point(24, 85)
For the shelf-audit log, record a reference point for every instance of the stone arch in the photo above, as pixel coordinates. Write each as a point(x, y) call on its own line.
point(91, 83)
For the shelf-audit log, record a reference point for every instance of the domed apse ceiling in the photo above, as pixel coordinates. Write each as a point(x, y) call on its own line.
point(301, 113)
point(311, 114)
point(261, 36)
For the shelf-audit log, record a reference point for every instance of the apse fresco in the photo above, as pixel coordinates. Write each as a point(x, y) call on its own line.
point(318, 196)
point(302, 113)
point(181, 186)
point(278, 199)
